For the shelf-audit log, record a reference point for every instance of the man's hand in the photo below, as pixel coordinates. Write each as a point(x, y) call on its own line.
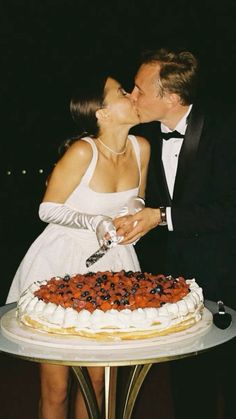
point(132, 227)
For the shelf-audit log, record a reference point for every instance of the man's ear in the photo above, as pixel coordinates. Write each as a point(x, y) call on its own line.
point(173, 99)
point(102, 114)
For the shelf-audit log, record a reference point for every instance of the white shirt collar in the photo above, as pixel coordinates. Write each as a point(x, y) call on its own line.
point(182, 124)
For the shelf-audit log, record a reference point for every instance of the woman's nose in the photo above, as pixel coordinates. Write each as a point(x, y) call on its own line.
point(134, 94)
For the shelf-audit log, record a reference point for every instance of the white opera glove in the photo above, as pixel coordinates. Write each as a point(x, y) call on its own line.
point(134, 205)
point(106, 234)
point(52, 212)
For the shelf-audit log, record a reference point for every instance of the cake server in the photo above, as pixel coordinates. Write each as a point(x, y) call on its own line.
point(98, 254)
point(222, 319)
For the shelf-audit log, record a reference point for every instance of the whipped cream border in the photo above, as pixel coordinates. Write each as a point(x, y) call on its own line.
point(56, 316)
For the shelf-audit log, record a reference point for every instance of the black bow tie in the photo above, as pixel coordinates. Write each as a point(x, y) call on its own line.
point(172, 134)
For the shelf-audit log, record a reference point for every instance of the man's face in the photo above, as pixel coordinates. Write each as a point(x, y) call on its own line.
point(150, 104)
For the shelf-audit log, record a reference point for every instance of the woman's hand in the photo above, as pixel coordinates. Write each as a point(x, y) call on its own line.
point(106, 233)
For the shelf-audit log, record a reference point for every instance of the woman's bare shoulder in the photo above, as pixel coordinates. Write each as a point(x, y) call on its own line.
point(80, 148)
point(68, 171)
point(78, 152)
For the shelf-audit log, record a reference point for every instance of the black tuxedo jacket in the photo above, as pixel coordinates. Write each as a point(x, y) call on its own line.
point(203, 242)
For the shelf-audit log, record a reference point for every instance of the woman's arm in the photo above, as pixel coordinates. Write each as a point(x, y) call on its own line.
point(65, 178)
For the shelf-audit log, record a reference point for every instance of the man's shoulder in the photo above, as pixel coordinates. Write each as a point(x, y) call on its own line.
point(215, 108)
point(218, 118)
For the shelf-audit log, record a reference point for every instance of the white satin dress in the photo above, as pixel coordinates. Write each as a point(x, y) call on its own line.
point(61, 250)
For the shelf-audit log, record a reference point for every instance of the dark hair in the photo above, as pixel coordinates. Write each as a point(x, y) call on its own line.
point(178, 72)
point(85, 102)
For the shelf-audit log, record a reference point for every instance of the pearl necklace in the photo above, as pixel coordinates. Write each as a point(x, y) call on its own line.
point(110, 149)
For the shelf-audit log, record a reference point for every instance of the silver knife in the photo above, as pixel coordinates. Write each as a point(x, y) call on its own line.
point(98, 254)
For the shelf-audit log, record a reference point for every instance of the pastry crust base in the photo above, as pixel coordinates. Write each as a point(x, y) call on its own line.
point(109, 334)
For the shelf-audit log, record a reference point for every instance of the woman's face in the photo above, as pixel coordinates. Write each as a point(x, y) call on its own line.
point(121, 107)
point(151, 104)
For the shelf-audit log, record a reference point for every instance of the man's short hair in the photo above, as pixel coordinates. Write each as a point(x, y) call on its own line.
point(178, 72)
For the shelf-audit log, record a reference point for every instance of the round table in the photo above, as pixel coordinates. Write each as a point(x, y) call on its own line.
point(82, 353)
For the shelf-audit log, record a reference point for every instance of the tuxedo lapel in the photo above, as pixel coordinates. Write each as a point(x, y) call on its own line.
point(165, 190)
point(188, 150)
point(159, 180)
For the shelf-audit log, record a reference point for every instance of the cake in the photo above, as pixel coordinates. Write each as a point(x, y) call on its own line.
point(112, 305)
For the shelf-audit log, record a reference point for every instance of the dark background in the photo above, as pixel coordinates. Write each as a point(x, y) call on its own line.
point(47, 47)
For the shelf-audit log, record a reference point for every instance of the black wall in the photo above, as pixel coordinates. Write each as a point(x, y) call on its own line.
point(45, 48)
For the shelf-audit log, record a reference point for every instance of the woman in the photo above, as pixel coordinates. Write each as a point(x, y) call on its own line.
point(92, 182)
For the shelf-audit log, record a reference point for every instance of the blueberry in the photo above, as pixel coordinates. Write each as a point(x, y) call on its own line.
point(102, 290)
point(129, 274)
point(89, 298)
point(79, 285)
point(66, 278)
point(61, 286)
point(159, 289)
point(140, 276)
point(106, 297)
point(124, 301)
point(117, 302)
point(99, 280)
point(84, 293)
point(153, 291)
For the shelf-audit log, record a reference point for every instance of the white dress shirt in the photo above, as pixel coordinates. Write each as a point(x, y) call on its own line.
point(170, 157)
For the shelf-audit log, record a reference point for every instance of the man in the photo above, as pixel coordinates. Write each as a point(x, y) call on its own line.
point(189, 223)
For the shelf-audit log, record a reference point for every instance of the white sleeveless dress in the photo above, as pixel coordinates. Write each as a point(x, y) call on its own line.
point(63, 250)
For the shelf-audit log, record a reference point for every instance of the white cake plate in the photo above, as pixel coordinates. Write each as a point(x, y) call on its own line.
point(14, 330)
